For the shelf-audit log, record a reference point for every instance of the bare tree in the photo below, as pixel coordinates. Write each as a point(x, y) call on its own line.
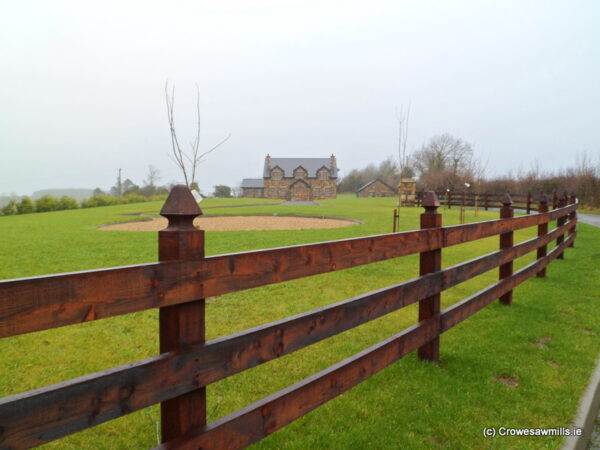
point(187, 162)
point(447, 161)
point(403, 119)
point(152, 177)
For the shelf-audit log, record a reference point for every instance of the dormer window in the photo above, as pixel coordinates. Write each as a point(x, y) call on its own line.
point(300, 173)
point(323, 174)
point(276, 173)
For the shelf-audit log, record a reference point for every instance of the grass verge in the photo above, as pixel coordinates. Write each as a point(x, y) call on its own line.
point(523, 366)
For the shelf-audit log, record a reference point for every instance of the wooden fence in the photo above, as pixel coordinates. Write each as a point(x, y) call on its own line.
point(486, 200)
point(184, 277)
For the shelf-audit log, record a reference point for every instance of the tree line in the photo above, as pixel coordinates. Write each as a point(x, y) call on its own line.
point(121, 193)
point(442, 162)
point(449, 162)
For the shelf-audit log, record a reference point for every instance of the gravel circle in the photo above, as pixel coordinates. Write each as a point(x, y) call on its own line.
point(237, 223)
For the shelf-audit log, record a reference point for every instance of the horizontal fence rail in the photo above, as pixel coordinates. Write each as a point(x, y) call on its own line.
point(486, 200)
point(40, 303)
point(178, 285)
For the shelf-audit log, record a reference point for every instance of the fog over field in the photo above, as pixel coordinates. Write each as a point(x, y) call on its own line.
point(82, 84)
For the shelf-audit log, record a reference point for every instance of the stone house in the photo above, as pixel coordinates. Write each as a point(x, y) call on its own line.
point(376, 188)
point(298, 179)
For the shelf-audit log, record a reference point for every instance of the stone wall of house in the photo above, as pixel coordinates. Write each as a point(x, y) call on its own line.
point(376, 189)
point(323, 188)
point(253, 192)
point(281, 188)
point(278, 188)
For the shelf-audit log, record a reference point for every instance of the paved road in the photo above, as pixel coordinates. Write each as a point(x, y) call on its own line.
point(591, 219)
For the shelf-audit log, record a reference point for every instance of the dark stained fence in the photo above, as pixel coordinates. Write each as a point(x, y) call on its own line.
point(487, 200)
point(184, 277)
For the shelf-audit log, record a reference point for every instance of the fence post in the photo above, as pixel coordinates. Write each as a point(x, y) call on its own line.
point(561, 220)
point(542, 231)
point(506, 241)
point(448, 199)
point(554, 199)
point(573, 216)
point(430, 261)
point(181, 324)
point(528, 203)
point(486, 204)
point(394, 226)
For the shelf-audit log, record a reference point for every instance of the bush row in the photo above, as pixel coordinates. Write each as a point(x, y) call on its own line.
point(49, 203)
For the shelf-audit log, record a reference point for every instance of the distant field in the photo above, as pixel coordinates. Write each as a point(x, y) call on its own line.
point(545, 345)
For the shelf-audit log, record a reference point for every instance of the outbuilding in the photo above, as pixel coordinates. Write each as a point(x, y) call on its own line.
point(376, 188)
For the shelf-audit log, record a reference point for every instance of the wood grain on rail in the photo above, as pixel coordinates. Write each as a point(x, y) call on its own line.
point(470, 305)
point(38, 416)
point(266, 416)
point(39, 303)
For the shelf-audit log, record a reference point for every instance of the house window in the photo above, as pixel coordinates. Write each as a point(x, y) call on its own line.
point(323, 175)
point(276, 174)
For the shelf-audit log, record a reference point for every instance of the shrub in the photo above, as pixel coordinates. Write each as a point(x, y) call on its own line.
point(133, 198)
point(25, 206)
point(100, 200)
point(67, 202)
point(222, 190)
point(10, 208)
point(46, 203)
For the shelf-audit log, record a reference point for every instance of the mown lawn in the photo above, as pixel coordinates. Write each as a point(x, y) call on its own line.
point(519, 366)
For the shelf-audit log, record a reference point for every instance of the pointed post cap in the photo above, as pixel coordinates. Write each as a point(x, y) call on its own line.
point(507, 200)
point(180, 208)
point(430, 200)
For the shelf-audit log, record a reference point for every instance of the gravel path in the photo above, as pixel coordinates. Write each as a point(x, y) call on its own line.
point(237, 223)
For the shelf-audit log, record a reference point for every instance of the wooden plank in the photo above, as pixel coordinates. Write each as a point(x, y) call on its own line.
point(506, 241)
point(562, 202)
point(39, 303)
point(573, 214)
point(542, 230)
point(181, 325)
point(469, 306)
point(460, 234)
point(45, 414)
point(38, 416)
point(268, 415)
point(454, 275)
point(47, 302)
point(430, 262)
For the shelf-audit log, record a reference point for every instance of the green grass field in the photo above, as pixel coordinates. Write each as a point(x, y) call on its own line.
point(519, 366)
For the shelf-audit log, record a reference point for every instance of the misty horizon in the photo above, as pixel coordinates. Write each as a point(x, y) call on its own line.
point(83, 90)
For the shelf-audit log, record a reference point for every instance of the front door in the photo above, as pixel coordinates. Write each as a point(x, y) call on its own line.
point(300, 192)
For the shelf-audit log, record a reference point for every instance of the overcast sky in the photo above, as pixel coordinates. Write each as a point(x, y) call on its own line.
point(81, 90)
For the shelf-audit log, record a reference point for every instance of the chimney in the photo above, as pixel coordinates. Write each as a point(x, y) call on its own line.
point(332, 162)
point(268, 161)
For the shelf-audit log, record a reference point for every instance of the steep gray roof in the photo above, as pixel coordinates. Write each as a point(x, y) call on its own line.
point(310, 164)
point(252, 183)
